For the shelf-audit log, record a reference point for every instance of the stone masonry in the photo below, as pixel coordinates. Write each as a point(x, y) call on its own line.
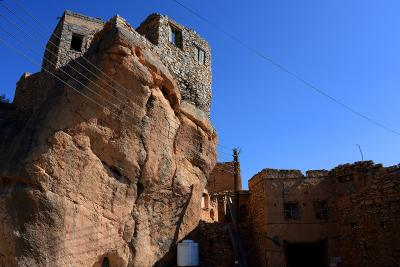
point(181, 55)
point(96, 181)
point(346, 217)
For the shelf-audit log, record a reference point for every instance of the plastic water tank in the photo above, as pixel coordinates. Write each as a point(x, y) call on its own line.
point(188, 253)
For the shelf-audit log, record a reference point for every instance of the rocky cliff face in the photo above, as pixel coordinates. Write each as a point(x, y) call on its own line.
point(120, 178)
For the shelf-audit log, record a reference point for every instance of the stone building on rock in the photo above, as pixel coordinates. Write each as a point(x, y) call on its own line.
point(185, 53)
point(345, 217)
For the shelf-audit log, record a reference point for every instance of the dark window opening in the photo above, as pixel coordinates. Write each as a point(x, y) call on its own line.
point(106, 262)
point(243, 212)
point(76, 42)
point(306, 254)
point(199, 55)
point(383, 225)
point(321, 210)
point(353, 224)
point(175, 36)
point(291, 211)
point(212, 215)
point(345, 178)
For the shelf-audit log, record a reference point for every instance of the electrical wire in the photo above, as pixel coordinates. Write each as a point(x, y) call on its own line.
point(83, 57)
point(228, 171)
point(89, 98)
point(287, 70)
point(75, 79)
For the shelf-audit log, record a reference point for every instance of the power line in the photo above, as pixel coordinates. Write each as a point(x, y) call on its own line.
point(84, 58)
point(103, 89)
point(191, 148)
point(106, 100)
point(288, 71)
point(89, 98)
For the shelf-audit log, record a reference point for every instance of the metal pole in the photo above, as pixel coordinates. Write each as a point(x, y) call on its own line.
point(236, 179)
point(236, 189)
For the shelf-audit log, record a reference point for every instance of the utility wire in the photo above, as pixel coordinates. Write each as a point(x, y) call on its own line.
point(106, 100)
point(112, 104)
point(89, 98)
point(191, 148)
point(286, 70)
point(83, 57)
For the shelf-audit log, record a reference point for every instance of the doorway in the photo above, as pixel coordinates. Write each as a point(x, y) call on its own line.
point(306, 254)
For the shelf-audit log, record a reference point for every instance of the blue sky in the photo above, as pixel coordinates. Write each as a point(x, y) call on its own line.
point(350, 49)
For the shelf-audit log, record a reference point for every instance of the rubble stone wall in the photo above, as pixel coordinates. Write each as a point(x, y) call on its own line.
point(58, 52)
point(193, 77)
point(363, 206)
point(82, 180)
point(222, 179)
point(368, 205)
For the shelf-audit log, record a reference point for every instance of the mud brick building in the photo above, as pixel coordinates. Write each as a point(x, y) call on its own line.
point(348, 216)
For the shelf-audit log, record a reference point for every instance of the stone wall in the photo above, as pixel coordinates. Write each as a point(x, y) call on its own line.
point(362, 213)
point(58, 51)
point(222, 179)
point(214, 244)
point(368, 204)
point(31, 91)
point(80, 183)
point(270, 190)
point(209, 208)
point(192, 76)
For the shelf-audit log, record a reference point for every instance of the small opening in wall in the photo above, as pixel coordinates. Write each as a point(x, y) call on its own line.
point(353, 224)
point(212, 216)
point(175, 36)
point(76, 42)
point(321, 209)
point(383, 224)
point(106, 262)
point(291, 211)
point(204, 201)
point(199, 55)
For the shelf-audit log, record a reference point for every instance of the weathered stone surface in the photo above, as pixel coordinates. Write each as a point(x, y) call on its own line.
point(80, 182)
point(358, 226)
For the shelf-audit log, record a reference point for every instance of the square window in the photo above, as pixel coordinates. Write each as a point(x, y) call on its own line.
point(175, 36)
point(76, 42)
point(199, 55)
point(321, 210)
point(291, 211)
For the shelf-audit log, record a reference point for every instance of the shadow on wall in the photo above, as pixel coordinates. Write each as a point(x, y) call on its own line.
point(215, 247)
point(109, 260)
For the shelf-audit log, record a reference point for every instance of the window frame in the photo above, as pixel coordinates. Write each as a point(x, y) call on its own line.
point(291, 211)
point(321, 209)
point(175, 36)
point(198, 51)
point(76, 36)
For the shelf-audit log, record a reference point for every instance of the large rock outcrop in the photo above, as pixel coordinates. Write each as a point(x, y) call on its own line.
point(116, 170)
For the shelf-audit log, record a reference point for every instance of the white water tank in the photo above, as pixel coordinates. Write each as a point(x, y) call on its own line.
point(188, 253)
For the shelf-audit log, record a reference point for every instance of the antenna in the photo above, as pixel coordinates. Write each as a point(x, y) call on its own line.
point(362, 156)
